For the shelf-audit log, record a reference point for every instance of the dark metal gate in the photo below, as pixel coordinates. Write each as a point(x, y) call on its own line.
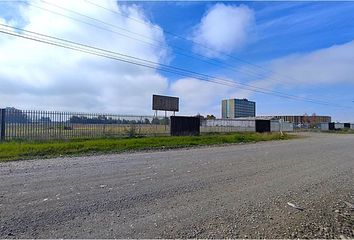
point(2, 124)
point(262, 126)
point(331, 126)
point(346, 125)
point(185, 126)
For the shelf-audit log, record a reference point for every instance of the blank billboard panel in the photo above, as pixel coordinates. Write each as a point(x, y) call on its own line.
point(165, 103)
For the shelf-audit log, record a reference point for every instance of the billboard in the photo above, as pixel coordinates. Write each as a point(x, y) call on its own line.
point(165, 103)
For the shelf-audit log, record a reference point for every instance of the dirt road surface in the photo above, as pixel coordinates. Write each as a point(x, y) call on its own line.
point(238, 191)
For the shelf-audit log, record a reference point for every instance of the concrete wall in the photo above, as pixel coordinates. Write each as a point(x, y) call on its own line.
point(339, 125)
point(324, 126)
point(227, 125)
point(352, 126)
point(287, 127)
point(277, 126)
point(237, 125)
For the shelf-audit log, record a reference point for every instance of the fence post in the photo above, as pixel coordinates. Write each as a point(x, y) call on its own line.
point(2, 124)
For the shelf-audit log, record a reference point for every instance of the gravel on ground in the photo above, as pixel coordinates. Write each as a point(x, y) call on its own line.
point(300, 188)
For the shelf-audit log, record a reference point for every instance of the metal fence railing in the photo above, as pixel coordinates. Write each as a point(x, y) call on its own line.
point(47, 125)
point(18, 124)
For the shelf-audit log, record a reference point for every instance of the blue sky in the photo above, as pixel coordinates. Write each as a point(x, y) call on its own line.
point(281, 29)
point(306, 25)
point(297, 48)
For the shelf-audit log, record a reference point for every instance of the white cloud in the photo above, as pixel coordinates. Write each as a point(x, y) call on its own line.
point(326, 66)
point(34, 75)
point(224, 28)
point(328, 70)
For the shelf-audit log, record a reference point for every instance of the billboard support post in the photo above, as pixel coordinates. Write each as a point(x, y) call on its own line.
point(155, 116)
point(2, 124)
point(165, 103)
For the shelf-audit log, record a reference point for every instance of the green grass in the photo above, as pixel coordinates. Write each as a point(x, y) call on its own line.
point(29, 150)
point(342, 131)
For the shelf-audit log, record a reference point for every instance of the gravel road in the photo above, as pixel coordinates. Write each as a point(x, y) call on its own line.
point(237, 191)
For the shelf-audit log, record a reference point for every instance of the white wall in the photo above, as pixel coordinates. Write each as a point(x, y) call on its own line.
point(228, 125)
point(287, 127)
point(237, 125)
point(324, 127)
point(275, 126)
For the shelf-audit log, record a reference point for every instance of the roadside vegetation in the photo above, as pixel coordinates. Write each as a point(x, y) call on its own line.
point(337, 131)
point(343, 131)
point(30, 150)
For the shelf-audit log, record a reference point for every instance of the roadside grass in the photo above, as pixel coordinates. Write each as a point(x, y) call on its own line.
point(10, 151)
point(338, 131)
point(342, 131)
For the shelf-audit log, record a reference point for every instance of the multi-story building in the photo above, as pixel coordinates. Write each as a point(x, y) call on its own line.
point(235, 108)
point(304, 119)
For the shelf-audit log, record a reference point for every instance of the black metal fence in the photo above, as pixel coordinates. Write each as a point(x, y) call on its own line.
point(185, 126)
point(263, 126)
point(18, 124)
point(47, 125)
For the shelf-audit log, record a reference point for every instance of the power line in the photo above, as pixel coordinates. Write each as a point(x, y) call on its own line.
point(190, 72)
point(149, 43)
point(163, 67)
point(75, 19)
point(248, 85)
point(98, 49)
point(159, 44)
point(189, 40)
point(199, 56)
point(135, 58)
point(58, 44)
point(150, 25)
point(140, 62)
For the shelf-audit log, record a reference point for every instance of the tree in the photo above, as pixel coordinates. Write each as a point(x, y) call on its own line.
point(14, 115)
point(45, 120)
point(306, 118)
point(313, 120)
point(211, 117)
point(155, 120)
point(78, 119)
point(146, 121)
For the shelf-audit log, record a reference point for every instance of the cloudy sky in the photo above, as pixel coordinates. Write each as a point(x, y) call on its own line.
point(281, 48)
